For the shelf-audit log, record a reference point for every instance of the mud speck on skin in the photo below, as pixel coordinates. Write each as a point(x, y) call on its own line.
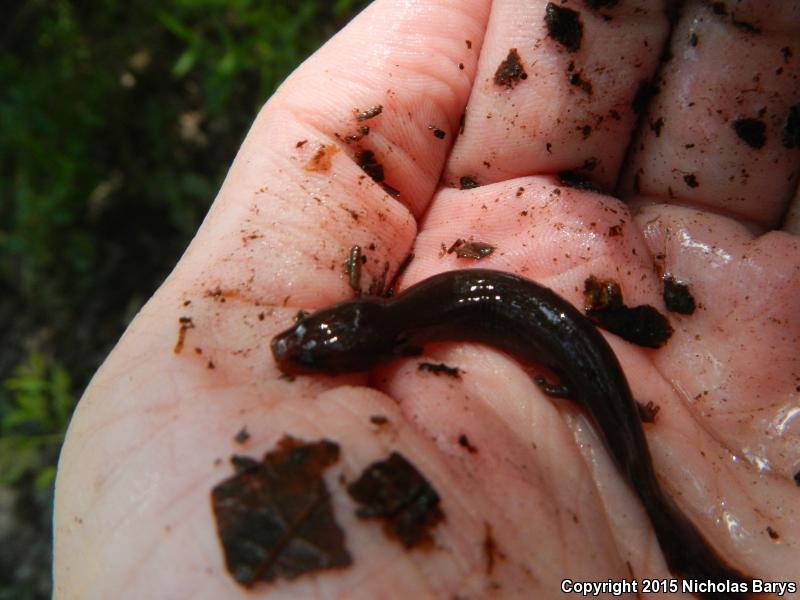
point(186, 324)
point(648, 412)
point(371, 112)
point(510, 72)
point(320, 161)
point(467, 183)
point(657, 126)
point(352, 268)
point(378, 420)
point(773, 535)
point(275, 518)
point(393, 491)
point(691, 180)
point(751, 131)
point(642, 325)
point(577, 79)
point(797, 478)
point(242, 436)
point(491, 553)
point(439, 133)
point(464, 442)
point(564, 26)
point(677, 296)
point(791, 129)
point(437, 368)
point(577, 181)
point(474, 250)
point(370, 165)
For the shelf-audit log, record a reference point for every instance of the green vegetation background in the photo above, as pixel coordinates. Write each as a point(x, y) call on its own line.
point(118, 121)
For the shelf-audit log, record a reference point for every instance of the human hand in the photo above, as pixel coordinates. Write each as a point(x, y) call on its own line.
point(702, 196)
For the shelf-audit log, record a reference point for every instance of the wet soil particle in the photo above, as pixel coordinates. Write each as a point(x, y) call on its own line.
point(464, 442)
point(510, 72)
point(657, 126)
point(352, 268)
point(439, 133)
point(751, 131)
point(467, 183)
point(186, 324)
point(321, 159)
point(774, 535)
point(474, 250)
point(644, 93)
point(437, 368)
point(691, 180)
point(642, 325)
point(490, 551)
point(648, 412)
point(369, 113)
point(564, 26)
point(577, 80)
point(556, 390)
point(369, 164)
point(744, 26)
point(394, 491)
point(791, 129)
point(677, 296)
point(275, 518)
point(242, 436)
point(575, 180)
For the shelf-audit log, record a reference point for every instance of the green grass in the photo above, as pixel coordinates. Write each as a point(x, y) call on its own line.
point(119, 121)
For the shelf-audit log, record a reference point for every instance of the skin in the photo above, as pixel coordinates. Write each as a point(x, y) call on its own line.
point(133, 517)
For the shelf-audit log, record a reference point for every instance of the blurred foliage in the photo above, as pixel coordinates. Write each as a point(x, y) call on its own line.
point(33, 420)
point(118, 122)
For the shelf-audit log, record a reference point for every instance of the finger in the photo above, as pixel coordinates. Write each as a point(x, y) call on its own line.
point(571, 103)
point(309, 183)
point(724, 131)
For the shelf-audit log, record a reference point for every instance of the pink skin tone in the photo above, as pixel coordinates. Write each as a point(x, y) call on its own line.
point(154, 430)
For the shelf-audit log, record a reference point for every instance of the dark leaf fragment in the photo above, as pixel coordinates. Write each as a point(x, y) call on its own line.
point(642, 325)
point(275, 518)
point(510, 71)
point(369, 164)
point(564, 26)
point(751, 131)
point(677, 296)
point(394, 491)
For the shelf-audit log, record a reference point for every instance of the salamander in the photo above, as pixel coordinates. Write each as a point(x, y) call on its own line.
point(530, 322)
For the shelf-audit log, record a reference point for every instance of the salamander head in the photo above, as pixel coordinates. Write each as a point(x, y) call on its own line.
point(347, 337)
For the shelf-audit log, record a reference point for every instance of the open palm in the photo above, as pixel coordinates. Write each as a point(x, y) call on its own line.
point(604, 138)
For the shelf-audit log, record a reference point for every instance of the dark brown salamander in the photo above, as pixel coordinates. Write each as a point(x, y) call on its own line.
point(533, 323)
